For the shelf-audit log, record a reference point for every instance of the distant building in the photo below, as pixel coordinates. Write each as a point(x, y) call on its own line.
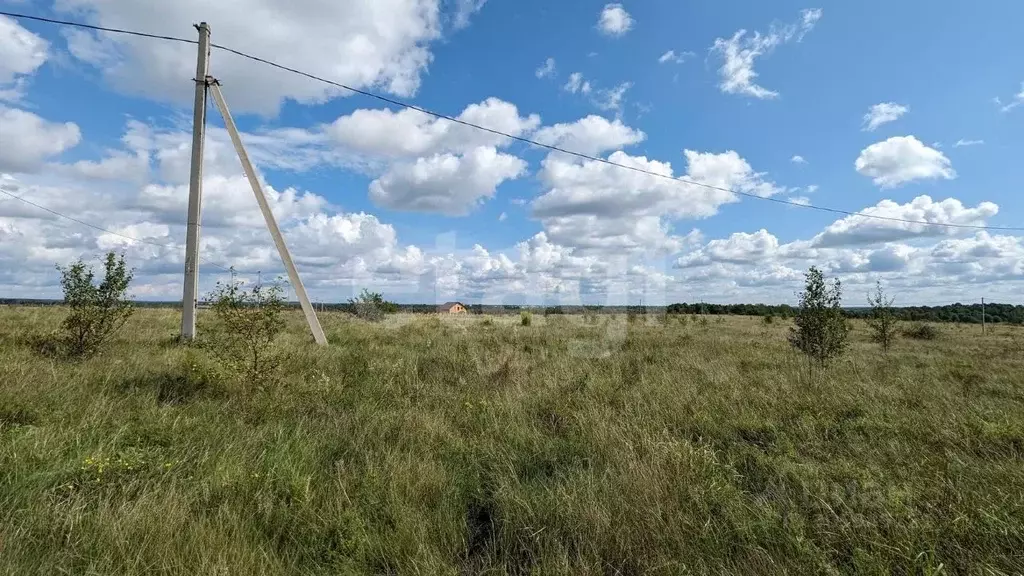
point(451, 308)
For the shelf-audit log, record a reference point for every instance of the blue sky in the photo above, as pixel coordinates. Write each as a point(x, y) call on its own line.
point(400, 202)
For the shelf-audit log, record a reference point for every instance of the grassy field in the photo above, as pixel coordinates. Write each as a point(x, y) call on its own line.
point(470, 446)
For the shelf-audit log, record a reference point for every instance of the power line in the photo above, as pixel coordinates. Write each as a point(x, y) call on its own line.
point(98, 28)
point(100, 228)
point(522, 139)
point(598, 158)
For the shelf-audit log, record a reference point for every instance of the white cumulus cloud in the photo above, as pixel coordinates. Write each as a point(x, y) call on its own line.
point(590, 135)
point(902, 159)
point(594, 206)
point(446, 183)
point(921, 212)
point(614, 20)
point(21, 54)
point(28, 140)
point(371, 44)
point(408, 132)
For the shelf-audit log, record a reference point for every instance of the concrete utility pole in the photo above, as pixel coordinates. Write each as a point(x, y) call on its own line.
point(982, 315)
point(190, 293)
point(268, 215)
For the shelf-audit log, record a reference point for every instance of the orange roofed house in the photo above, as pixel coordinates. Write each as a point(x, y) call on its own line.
point(451, 308)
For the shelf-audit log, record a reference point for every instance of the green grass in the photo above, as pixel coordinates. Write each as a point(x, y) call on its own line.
point(427, 446)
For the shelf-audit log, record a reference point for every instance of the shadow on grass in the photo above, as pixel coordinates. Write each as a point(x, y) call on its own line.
point(175, 388)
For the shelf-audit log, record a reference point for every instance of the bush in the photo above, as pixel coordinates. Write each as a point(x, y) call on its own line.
point(922, 332)
point(525, 318)
point(882, 321)
point(248, 322)
point(768, 320)
point(97, 312)
point(821, 330)
point(371, 306)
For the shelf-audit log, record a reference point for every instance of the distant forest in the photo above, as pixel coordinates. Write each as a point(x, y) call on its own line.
point(967, 313)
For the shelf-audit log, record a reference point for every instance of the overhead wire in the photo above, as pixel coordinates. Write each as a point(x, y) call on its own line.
point(522, 139)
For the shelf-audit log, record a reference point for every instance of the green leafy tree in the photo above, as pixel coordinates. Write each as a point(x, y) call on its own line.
point(882, 320)
point(96, 311)
point(821, 330)
point(371, 306)
point(247, 323)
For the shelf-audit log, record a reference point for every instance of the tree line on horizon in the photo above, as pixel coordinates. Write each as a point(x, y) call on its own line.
point(995, 313)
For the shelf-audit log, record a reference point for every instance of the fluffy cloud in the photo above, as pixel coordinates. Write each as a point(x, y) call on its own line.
point(798, 160)
point(981, 258)
point(614, 20)
point(431, 164)
point(406, 133)
point(446, 183)
point(902, 159)
point(882, 114)
point(861, 251)
point(546, 70)
point(590, 135)
point(29, 140)
point(741, 51)
point(382, 44)
point(854, 230)
point(21, 54)
point(739, 248)
point(600, 207)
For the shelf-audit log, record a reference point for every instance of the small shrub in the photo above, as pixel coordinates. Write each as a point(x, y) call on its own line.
point(921, 332)
point(487, 322)
point(248, 322)
point(371, 306)
point(97, 311)
point(883, 321)
point(768, 320)
point(703, 322)
point(525, 318)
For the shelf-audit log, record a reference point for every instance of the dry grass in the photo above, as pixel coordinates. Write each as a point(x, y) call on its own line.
point(429, 446)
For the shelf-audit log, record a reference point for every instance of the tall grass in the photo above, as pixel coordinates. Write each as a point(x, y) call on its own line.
point(439, 446)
